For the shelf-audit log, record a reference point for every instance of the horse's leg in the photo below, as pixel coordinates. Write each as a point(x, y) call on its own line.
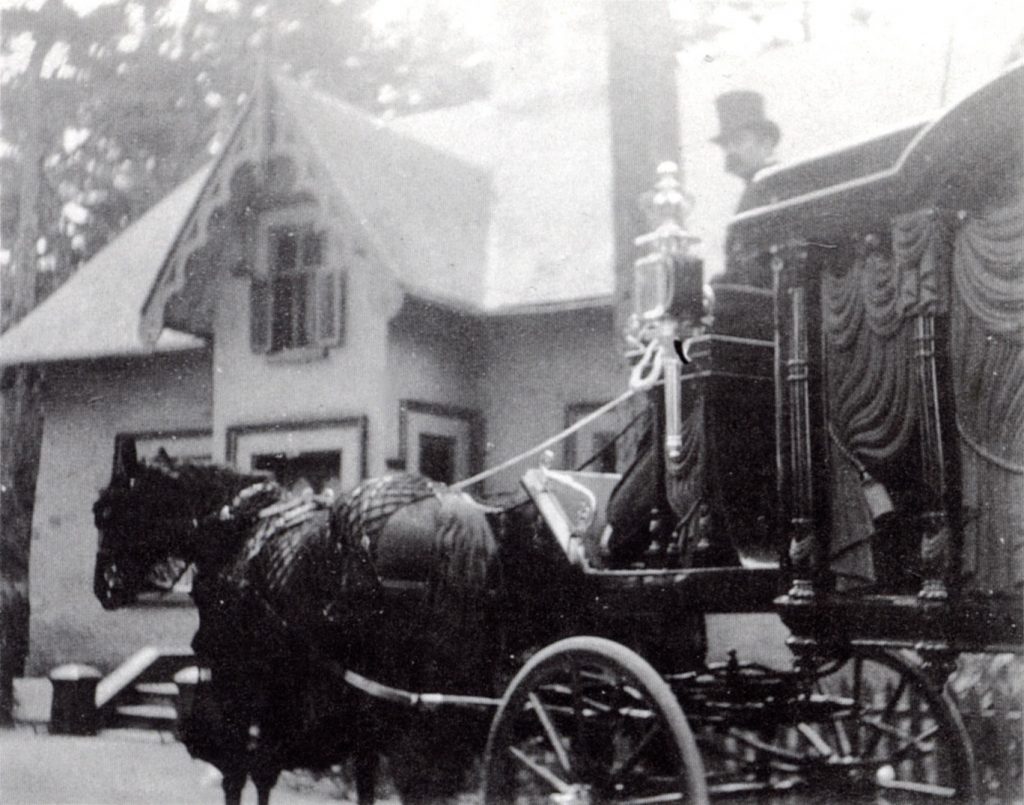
point(265, 780)
point(366, 775)
point(233, 783)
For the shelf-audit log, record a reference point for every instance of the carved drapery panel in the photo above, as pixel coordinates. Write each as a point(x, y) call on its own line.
point(869, 303)
point(685, 476)
point(987, 354)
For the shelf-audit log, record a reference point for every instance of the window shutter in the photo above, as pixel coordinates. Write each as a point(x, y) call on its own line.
point(259, 314)
point(330, 307)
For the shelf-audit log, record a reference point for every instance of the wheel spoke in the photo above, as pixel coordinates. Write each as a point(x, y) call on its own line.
point(754, 763)
point(577, 704)
point(858, 672)
point(627, 765)
point(886, 713)
point(911, 742)
point(753, 787)
point(927, 789)
point(842, 738)
point(674, 796)
point(768, 749)
point(541, 771)
point(906, 740)
point(820, 744)
point(839, 733)
point(549, 729)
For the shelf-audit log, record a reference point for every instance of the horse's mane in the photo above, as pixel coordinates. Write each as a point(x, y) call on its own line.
point(165, 496)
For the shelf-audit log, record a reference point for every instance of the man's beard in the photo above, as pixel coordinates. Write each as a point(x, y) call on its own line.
point(736, 165)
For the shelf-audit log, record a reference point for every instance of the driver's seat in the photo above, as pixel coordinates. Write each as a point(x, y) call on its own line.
point(574, 505)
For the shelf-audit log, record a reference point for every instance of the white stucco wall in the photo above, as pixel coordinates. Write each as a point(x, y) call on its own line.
point(435, 357)
point(86, 405)
point(536, 366)
point(257, 389)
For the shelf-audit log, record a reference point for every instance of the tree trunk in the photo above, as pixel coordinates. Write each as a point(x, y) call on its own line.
point(21, 418)
point(19, 445)
point(642, 96)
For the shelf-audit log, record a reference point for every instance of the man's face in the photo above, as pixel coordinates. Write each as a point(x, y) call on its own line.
point(746, 152)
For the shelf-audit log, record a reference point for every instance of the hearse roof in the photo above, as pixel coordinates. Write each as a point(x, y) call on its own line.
point(859, 187)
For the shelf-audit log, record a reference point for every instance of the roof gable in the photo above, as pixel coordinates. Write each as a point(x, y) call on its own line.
point(427, 210)
point(96, 312)
point(550, 235)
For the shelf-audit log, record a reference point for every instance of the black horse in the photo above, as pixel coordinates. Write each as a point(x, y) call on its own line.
point(410, 584)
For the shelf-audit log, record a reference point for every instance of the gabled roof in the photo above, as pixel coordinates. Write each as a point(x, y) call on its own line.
point(550, 236)
point(489, 207)
point(96, 312)
point(427, 210)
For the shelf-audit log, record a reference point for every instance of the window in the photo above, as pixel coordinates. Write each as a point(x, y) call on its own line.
point(193, 446)
point(603, 452)
point(610, 443)
point(437, 457)
point(297, 296)
point(318, 453)
point(438, 440)
point(317, 470)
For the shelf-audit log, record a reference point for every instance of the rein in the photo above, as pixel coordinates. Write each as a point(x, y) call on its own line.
point(550, 442)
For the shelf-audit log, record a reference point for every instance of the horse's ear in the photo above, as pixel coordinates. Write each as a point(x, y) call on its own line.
point(126, 460)
point(163, 457)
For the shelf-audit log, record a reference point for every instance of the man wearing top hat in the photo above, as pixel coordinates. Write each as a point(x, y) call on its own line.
point(747, 137)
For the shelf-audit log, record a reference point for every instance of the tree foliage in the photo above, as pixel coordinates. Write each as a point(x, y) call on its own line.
point(132, 95)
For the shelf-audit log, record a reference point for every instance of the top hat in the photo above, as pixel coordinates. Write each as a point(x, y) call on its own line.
point(743, 110)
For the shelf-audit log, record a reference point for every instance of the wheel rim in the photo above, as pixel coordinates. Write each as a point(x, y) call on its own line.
point(585, 730)
point(866, 730)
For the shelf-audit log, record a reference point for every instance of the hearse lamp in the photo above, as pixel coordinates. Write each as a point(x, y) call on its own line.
point(668, 281)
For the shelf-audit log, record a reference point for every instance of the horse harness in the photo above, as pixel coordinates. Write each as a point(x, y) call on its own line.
point(366, 512)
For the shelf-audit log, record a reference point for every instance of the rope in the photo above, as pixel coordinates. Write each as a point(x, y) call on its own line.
point(992, 458)
point(647, 372)
point(614, 440)
point(578, 425)
point(847, 452)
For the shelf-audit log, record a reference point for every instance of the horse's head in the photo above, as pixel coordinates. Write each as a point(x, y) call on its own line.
point(149, 518)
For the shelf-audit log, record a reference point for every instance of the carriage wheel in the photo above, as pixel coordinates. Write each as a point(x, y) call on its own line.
point(587, 720)
point(867, 728)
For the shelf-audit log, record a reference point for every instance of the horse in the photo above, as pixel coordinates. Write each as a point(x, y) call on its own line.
point(401, 580)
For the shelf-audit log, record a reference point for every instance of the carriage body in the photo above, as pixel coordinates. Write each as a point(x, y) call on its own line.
point(850, 413)
point(846, 432)
point(898, 302)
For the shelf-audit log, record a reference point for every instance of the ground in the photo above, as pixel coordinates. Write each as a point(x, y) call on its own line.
point(132, 767)
point(122, 767)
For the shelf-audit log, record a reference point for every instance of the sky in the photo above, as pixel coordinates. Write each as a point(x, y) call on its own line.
point(848, 83)
point(903, 61)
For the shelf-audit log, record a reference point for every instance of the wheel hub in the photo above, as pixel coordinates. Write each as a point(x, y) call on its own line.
point(576, 794)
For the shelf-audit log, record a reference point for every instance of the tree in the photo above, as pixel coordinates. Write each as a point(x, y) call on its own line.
point(112, 109)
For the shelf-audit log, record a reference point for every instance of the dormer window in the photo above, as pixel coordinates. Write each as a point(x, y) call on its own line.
point(297, 297)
